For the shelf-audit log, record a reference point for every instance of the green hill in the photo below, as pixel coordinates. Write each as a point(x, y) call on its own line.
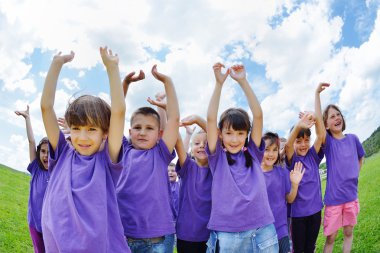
point(14, 192)
point(372, 144)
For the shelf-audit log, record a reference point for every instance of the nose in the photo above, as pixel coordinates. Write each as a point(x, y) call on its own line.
point(83, 134)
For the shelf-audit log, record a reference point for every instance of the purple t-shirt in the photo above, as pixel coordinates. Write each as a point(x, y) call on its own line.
point(143, 192)
point(80, 212)
point(38, 184)
point(309, 195)
point(342, 162)
point(239, 195)
point(194, 201)
point(174, 191)
point(278, 186)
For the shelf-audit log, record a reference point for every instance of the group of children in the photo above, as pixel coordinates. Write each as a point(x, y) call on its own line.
point(103, 192)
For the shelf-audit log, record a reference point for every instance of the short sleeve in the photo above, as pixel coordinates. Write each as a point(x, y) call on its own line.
point(213, 158)
point(33, 166)
point(115, 168)
point(256, 152)
point(359, 147)
point(55, 154)
point(182, 170)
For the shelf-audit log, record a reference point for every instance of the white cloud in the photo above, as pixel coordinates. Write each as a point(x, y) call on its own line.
point(70, 84)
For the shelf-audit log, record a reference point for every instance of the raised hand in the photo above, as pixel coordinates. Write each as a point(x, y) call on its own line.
point(189, 120)
point(108, 57)
point(297, 173)
point(130, 78)
point(63, 125)
point(219, 77)
point(60, 58)
point(160, 96)
point(25, 113)
point(237, 72)
point(307, 120)
point(161, 104)
point(321, 87)
point(159, 76)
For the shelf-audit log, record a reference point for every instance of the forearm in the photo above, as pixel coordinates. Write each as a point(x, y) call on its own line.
point(163, 117)
point(292, 194)
point(181, 151)
point(253, 102)
point(212, 111)
point(117, 100)
point(31, 140)
point(48, 93)
point(172, 108)
point(201, 123)
point(319, 126)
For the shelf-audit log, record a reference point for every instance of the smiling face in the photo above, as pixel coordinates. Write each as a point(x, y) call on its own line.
point(271, 154)
point(172, 173)
point(87, 139)
point(145, 131)
point(198, 145)
point(44, 154)
point(334, 121)
point(302, 145)
point(233, 140)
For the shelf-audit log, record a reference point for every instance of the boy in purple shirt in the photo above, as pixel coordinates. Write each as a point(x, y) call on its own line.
point(282, 187)
point(38, 168)
point(306, 208)
point(174, 188)
point(143, 190)
point(195, 194)
point(344, 158)
point(80, 212)
point(241, 219)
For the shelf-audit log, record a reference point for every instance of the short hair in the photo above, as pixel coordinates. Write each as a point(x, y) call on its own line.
point(146, 111)
point(89, 110)
point(325, 115)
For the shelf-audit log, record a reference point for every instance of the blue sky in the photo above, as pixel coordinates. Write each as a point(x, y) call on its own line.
point(288, 47)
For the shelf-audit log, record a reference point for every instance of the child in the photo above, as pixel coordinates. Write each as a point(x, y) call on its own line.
point(344, 158)
point(174, 188)
point(195, 193)
point(306, 208)
point(241, 219)
point(38, 168)
point(282, 187)
point(80, 212)
point(143, 189)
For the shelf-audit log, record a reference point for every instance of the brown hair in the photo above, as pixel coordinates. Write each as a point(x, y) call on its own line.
point(325, 115)
point(273, 139)
point(146, 111)
point(89, 110)
point(42, 141)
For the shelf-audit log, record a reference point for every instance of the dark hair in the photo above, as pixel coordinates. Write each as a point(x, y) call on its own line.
point(237, 119)
point(273, 139)
point(325, 116)
point(89, 110)
point(303, 132)
point(146, 111)
point(38, 152)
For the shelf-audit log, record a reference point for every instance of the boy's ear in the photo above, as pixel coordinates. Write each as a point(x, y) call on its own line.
point(129, 131)
point(220, 134)
point(105, 135)
point(160, 133)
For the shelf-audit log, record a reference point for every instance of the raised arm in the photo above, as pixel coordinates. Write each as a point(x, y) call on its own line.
point(238, 73)
point(130, 78)
point(213, 107)
point(306, 121)
point(181, 151)
point(29, 133)
point(48, 95)
point(187, 122)
point(160, 104)
point(172, 109)
point(295, 178)
point(116, 129)
point(319, 126)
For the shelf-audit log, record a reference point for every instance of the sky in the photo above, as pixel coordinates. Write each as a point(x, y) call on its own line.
point(287, 47)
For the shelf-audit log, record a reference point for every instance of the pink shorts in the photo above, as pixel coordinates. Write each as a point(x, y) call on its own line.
point(340, 216)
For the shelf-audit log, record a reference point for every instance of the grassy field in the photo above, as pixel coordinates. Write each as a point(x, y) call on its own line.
point(14, 191)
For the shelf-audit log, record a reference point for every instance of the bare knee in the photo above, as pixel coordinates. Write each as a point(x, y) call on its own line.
point(330, 239)
point(348, 231)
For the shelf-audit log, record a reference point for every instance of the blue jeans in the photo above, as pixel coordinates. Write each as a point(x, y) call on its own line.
point(261, 240)
point(166, 245)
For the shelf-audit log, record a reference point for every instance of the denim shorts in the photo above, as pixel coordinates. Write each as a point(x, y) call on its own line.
point(260, 240)
point(166, 245)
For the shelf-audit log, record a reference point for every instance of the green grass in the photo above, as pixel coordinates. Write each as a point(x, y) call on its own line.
point(367, 231)
point(14, 193)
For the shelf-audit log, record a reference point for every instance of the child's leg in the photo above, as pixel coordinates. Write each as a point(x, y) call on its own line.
point(329, 244)
point(265, 240)
point(191, 247)
point(313, 226)
point(350, 215)
point(284, 245)
point(348, 238)
point(38, 241)
point(298, 233)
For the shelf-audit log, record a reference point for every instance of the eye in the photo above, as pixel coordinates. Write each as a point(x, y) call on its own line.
point(74, 128)
point(150, 128)
point(137, 127)
point(92, 129)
